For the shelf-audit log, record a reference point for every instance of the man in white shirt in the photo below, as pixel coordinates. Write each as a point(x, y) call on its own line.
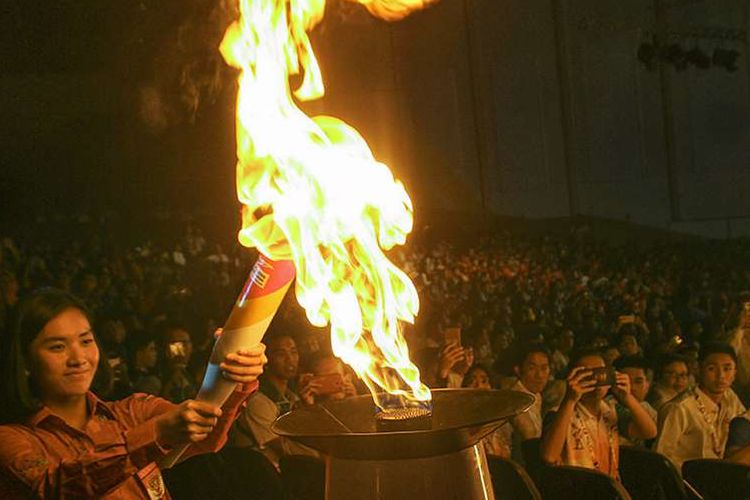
point(274, 398)
point(532, 368)
point(696, 423)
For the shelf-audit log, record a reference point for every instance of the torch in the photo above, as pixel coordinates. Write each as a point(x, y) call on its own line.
point(247, 323)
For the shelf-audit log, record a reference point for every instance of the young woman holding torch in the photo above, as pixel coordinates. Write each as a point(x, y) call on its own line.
point(60, 441)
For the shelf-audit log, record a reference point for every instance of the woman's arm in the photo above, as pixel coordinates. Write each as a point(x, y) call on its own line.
point(26, 470)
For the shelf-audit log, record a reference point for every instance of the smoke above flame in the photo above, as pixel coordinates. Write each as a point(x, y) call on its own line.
point(313, 192)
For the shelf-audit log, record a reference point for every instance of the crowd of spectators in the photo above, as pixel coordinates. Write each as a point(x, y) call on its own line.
point(507, 310)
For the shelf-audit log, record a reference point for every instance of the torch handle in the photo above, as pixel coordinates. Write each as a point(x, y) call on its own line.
point(248, 321)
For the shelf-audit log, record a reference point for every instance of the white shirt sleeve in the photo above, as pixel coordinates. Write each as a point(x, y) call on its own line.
point(672, 425)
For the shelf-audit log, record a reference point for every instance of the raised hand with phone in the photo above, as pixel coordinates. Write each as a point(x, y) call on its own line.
point(453, 356)
point(585, 416)
point(328, 380)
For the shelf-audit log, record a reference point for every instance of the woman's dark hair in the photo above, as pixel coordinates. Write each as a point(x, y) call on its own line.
point(665, 360)
point(473, 369)
point(32, 314)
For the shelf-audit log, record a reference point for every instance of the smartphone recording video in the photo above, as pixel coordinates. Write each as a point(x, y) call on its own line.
point(604, 375)
point(329, 384)
point(627, 319)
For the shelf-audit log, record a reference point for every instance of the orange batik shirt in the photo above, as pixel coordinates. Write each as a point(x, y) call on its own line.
point(113, 457)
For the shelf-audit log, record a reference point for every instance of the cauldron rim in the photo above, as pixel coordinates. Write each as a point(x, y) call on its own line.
point(452, 429)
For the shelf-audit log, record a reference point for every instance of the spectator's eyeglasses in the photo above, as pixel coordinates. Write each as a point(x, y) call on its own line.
point(676, 375)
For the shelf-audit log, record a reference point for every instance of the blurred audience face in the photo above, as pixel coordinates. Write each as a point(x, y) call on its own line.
point(477, 378)
point(566, 341)
point(675, 376)
point(331, 365)
point(629, 346)
point(639, 383)
point(283, 358)
point(8, 288)
point(503, 340)
point(146, 356)
point(113, 331)
point(610, 355)
point(534, 371)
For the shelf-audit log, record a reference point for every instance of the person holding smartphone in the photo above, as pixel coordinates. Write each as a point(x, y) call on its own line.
point(695, 424)
point(328, 381)
point(583, 432)
point(177, 383)
point(278, 394)
point(532, 370)
point(59, 440)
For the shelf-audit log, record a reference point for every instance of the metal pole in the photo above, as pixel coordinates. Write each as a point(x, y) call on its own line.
point(475, 105)
point(660, 10)
point(566, 104)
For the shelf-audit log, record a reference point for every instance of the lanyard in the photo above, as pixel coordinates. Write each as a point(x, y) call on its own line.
point(711, 425)
point(581, 423)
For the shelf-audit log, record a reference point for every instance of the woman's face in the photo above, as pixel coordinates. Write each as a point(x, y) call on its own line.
point(148, 355)
point(63, 357)
point(478, 379)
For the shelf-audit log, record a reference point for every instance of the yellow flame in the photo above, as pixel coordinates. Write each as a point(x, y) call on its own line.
point(312, 191)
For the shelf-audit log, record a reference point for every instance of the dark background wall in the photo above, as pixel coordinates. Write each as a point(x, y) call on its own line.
point(532, 108)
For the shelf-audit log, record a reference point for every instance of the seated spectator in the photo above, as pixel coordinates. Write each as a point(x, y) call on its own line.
point(113, 334)
point(329, 380)
point(583, 432)
point(695, 424)
point(143, 362)
point(478, 377)
point(274, 398)
point(690, 352)
point(671, 379)
point(441, 367)
point(610, 354)
point(628, 344)
point(560, 356)
point(532, 368)
point(177, 383)
point(639, 372)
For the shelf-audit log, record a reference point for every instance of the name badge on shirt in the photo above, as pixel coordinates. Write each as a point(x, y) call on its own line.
point(153, 482)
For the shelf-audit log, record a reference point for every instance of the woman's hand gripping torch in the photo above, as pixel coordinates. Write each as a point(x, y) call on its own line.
point(247, 323)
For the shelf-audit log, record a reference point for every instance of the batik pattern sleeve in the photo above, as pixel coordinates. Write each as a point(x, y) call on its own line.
point(26, 470)
point(138, 415)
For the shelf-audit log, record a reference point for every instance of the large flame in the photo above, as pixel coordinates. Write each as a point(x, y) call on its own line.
point(313, 192)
